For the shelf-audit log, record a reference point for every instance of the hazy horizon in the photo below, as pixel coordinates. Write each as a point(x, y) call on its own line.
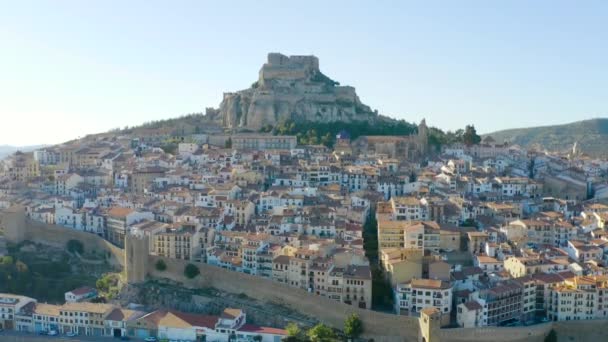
point(76, 68)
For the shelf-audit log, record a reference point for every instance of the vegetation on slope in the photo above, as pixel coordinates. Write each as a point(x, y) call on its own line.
point(591, 135)
point(314, 133)
point(42, 273)
point(324, 133)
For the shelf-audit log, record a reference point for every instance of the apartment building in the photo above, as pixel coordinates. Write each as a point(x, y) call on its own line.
point(21, 167)
point(501, 303)
point(243, 212)
point(401, 265)
point(408, 209)
point(143, 178)
point(83, 318)
point(391, 234)
point(263, 142)
point(579, 298)
point(583, 251)
point(541, 232)
point(119, 220)
point(422, 235)
point(10, 306)
point(477, 242)
point(280, 268)
point(522, 266)
point(256, 258)
point(571, 303)
point(351, 285)
point(177, 242)
point(46, 317)
point(418, 294)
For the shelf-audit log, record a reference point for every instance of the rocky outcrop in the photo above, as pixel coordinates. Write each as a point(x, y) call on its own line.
point(291, 88)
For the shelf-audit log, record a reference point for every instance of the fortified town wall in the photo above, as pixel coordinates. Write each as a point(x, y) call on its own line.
point(379, 326)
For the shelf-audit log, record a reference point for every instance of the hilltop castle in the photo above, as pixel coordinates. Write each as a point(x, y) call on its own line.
point(291, 88)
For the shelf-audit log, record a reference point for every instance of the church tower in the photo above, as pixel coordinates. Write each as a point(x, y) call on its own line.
point(423, 137)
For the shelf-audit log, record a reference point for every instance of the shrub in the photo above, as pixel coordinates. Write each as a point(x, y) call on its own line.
point(6, 260)
point(160, 265)
point(321, 333)
point(353, 327)
point(191, 271)
point(75, 246)
point(551, 337)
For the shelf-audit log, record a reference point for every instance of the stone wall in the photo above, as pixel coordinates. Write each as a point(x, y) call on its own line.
point(19, 228)
point(581, 331)
point(534, 333)
point(380, 326)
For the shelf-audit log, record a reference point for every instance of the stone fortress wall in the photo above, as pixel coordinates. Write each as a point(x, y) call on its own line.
point(19, 228)
point(379, 326)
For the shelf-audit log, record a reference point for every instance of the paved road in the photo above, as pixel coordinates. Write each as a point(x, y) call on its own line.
point(15, 336)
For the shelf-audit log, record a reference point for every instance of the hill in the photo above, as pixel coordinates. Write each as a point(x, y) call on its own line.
point(591, 136)
point(291, 96)
point(6, 150)
point(292, 88)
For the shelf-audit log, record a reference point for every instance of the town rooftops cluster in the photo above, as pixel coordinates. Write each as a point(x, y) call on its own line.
point(497, 230)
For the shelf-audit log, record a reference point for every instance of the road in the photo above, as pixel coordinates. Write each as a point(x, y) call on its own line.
point(16, 336)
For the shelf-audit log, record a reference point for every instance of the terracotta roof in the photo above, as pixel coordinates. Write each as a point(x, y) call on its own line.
point(120, 212)
point(82, 291)
point(47, 309)
point(429, 284)
point(473, 305)
point(196, 320)
point(87, 307)
point(120, 314)
point(262, 330)
point(231, 313)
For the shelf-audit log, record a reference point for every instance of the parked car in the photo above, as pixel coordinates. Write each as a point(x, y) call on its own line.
point(150, 339)
point(71, 334)
point(42, 332)
point(52, 333)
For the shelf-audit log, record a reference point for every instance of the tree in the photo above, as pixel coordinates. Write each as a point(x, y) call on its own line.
point(469, 223)
point(412, 177)
point(326, 140)
point(160, 265)
point(102, 285)
point(6, 260)
point(470, 136)
point(75, 246)
point(551, 337)
point(21, 266)
point(353, 327)
point(321, 333)
point(531, 167)
point(191, 271)
point(293, 330)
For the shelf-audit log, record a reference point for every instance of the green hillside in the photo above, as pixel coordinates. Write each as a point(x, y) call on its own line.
point(591, 135)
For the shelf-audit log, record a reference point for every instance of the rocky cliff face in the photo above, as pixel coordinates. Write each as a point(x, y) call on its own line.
point(291, 88)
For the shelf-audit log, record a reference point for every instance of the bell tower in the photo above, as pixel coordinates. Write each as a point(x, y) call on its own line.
point(423, 137)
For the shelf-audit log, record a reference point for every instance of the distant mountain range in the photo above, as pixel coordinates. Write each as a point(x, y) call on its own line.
point(6, 150)
point(591, 136)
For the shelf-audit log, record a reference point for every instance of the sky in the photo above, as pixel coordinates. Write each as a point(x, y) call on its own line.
point(70, 68)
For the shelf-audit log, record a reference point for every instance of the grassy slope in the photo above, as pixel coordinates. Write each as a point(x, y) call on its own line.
point(592, 136)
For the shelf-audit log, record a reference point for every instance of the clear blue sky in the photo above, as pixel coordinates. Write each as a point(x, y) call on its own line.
point(68, 68)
